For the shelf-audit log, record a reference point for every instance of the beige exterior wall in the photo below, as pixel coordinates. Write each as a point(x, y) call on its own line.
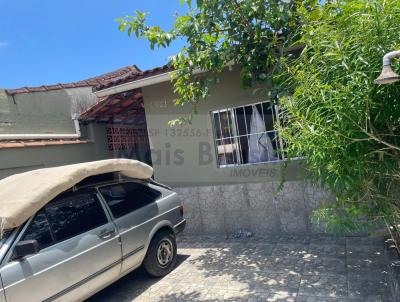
point(185, 156)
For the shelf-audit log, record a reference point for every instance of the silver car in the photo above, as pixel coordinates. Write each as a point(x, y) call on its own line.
point(90, 236)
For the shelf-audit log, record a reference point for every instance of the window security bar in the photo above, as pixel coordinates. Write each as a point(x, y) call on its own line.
point(235, 130)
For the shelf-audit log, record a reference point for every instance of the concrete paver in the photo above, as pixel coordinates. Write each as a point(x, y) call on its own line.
point(277, 268)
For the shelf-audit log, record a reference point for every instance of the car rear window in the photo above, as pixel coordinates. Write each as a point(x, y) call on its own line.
point(125, 198)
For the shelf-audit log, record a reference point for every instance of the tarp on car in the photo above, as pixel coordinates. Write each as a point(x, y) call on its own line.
point(22, 195)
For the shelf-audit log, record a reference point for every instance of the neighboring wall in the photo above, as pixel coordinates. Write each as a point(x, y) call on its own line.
point(48, 112)
point(20, 159)
point(17, 160)
point(36, 112)
point(43, 112)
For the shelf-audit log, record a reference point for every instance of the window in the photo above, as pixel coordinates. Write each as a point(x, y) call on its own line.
point(127, 197)
point(72, 214)
point(246, 134)
point(66, 216)
point(39, 230)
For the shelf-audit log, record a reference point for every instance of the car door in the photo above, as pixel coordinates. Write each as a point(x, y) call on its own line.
point(2, 295)
point(133, 206)
point(79, 253)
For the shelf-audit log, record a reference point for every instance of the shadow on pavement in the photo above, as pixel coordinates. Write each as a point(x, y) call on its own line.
point(130, 286)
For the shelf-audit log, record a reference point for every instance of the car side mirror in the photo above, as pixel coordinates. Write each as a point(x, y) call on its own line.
point(25, 248)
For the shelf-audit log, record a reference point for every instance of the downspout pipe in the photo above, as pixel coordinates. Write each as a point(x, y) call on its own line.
point(76, 135)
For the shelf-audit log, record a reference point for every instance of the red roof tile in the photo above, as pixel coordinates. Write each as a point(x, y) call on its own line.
point(121, 106)
point(116, 75)
point(116, 107)
point(134, 77)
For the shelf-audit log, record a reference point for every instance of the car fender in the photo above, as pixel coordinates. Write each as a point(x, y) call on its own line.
point(161, 224)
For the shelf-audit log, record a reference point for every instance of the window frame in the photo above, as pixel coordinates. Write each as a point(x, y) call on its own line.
point(275, 119)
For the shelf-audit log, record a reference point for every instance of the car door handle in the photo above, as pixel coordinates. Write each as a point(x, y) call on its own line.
point(106, 234)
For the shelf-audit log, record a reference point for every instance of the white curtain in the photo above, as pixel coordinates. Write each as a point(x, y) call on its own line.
point(260, 146)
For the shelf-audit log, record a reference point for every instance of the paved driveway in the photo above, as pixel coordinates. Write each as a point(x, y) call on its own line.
point(273, 268)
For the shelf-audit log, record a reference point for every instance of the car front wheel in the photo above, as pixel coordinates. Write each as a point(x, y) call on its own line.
point(161, 255)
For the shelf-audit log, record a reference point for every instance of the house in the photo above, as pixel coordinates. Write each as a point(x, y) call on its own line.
point(228, 165)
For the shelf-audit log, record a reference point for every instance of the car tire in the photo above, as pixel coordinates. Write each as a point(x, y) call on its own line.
point(161, 255)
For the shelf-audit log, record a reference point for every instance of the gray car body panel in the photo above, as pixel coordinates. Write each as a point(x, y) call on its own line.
point(2, 293)
point(75, 269)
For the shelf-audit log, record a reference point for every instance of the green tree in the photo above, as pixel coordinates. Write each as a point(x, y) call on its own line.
point(249, 33)
point(346, 127)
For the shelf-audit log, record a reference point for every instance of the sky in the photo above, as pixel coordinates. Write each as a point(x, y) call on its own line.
point(43, 42)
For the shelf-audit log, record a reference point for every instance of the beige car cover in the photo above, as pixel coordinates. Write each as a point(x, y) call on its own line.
point(22, 195)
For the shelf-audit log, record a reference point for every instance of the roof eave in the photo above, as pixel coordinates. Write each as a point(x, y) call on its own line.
point(159, 78)
point(144, 82)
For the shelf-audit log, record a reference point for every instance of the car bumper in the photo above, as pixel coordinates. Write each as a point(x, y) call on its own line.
point(179, 227)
